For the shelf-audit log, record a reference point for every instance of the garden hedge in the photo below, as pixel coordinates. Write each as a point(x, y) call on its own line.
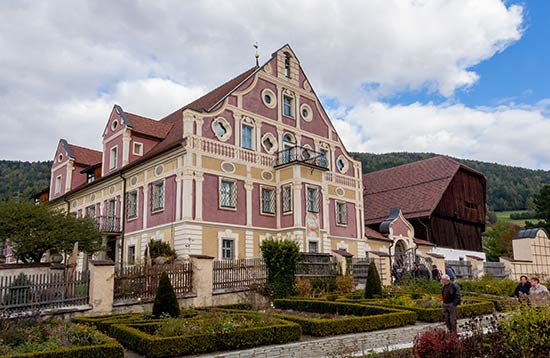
point(138, 337)
point(363, 318)
point(480, 307)
point(110, 348)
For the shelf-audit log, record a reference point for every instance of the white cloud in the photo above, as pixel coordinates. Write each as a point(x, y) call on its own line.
point(506, 134)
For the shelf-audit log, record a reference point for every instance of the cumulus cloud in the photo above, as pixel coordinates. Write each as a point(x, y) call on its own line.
point(507, 134)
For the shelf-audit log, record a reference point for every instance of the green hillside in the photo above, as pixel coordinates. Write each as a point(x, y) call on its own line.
point(508, 188)
point(23, 179)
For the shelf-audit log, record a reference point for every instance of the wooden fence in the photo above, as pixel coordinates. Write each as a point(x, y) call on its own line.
point(32, 292)
point(360, 268)
point(240, 274)
point(316, 265)
point(141, 282)
point(462, 269)
point(496, 269)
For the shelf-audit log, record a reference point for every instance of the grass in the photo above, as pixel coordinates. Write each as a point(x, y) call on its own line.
point(505, 216)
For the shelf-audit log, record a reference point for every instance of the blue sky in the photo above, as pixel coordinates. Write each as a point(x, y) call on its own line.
point(465, 78)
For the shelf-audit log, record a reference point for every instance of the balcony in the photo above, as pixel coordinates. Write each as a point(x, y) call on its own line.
point(301, 155)
point(108, 224)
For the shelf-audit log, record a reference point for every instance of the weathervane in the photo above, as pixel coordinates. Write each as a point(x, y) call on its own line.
point(257, 55)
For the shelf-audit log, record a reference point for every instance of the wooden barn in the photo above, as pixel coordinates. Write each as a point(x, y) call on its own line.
point(443, 199)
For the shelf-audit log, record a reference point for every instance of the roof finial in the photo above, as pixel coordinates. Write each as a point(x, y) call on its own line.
point(257, 55)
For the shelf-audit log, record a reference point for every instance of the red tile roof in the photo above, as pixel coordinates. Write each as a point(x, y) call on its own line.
point(148, 126)
point(375, 235)
point(415, 188)
point(85, 156)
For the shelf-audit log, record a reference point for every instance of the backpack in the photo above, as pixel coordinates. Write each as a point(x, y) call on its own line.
point(450, 272)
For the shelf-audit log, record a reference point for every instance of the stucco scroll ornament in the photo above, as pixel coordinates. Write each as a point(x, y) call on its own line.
point(306, 85)
point(268, 69)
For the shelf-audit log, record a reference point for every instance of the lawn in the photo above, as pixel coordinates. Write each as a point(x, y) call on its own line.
point(505, 216)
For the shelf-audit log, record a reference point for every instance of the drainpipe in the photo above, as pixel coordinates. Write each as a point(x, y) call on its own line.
point(427, 231)
point(123, 218)
point(68, 213)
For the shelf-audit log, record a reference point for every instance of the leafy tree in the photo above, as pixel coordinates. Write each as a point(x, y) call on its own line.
point(491, 217)
point(497, 240)
point(166, 301)
point(32, 230)
point(281, 258)
point(23, 179)
point(373, 287)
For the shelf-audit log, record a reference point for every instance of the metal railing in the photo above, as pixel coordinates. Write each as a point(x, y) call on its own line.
point(20, 293)
point(301, 155)
point(108, 223)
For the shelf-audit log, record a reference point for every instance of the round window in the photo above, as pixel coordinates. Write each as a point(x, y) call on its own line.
point(267, 98)
point(305, 112)
point(115, 124)
point(60, 158)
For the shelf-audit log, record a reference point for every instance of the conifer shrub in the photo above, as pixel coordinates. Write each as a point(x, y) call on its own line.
point(166, 302)
point(281, 258)
point(373, 288)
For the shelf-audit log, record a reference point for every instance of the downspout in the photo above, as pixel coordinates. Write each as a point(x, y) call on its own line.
point(68, 213)
point(427, 231)
point(123, 218)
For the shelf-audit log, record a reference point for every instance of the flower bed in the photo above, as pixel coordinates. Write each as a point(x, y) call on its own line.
point(428, 308)
point(358, 317)
point(205, 332)
point(54, 339)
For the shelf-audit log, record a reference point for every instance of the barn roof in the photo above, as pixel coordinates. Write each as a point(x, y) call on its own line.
point(416, 188)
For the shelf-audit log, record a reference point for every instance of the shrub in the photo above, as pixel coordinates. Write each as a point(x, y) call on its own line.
point(373, 287)
point(281, 258)
point(527, 333)
point(160, 248)
point(19, 291)
point(437, 343)
point(358, 318)
point(489, 285)
point(323, 286)
point(303, 287)
point(166, 301)
point(344, 284)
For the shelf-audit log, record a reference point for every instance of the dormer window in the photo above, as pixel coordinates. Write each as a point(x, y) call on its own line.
point(113, 156)
point(90, 176)
point(287, 65)
point(58, 184)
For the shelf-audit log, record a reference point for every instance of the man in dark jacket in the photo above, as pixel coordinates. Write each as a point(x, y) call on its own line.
point(451, 298)
point(523, 287)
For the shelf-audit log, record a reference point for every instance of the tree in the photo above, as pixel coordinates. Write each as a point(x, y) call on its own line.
point(373, 287)
point(166, 302)
point(542, 209)
point(497, 240)
point(281, 258)
point(32, 230)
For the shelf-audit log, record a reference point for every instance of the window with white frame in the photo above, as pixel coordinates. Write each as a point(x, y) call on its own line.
point(58, 184)
point(157, 196)
point(287, 198)
point(221, 128)
point(228, 249)
point(90, 211)
point(268, 200)
point(313, 247)
point(138, 149)
point(131, 204)
point(312, 199)
point(132, 255)
point(247, 136)
point(90, 176)
point(287, 65)
point(228, 194)
point(288, 106)
point(113, 157)
point(341, 213)
point(323, 158)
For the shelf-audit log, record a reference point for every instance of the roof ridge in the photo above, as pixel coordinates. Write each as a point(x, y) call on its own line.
point(81, 147)
point(413, 163)
point(411, 185)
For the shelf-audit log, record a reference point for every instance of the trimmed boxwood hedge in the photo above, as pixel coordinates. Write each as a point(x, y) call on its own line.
point(110, 348)
point(138, 337)
point(366, 318)
point(480, 307)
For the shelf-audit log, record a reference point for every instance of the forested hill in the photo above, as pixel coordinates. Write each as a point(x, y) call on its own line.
point(23, 179)
point(508, 188)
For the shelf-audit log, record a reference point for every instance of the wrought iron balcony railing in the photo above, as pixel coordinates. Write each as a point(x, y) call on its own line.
point(108, 224)
point(301, 155)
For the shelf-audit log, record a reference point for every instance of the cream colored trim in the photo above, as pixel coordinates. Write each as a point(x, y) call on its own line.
point(228, 235)
point(229, 180)
point(269, 92)
point(336, 203)
point(268, 187)
point(229, 130)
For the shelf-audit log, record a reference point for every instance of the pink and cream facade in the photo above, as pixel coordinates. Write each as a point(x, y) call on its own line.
point(255, 158)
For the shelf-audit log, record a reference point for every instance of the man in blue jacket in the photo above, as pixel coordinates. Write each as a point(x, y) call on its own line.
point(451, 298)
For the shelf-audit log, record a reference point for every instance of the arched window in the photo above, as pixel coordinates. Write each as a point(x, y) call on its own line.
point(289, 147)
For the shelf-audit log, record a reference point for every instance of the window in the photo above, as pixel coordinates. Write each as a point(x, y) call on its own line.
point(288, 144)
point(228, 194)
point(132, 255)
point(313, 199)
point(342, 164)
point(58, 184)
point(228, 249)
point(268, 142)
point(268, 200)
point(288, 106)
point(470, 205)
point(341, 213)
point(287, 198)
point(287, 66)
point(138, 149)
point(90, 177)
point(323, 158)
point(90, 211)
point(268, 97)
point(113, 156)
point(131, 208)
point(157, 202)
point(247, 135)
point(313, 247)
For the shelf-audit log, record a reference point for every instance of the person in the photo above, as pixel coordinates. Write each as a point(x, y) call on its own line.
point(436, 274)
point(538, 294)
point(451, 298)
point(415, 272)
point(523, 287)
point(423, 272)
point(449, 271)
